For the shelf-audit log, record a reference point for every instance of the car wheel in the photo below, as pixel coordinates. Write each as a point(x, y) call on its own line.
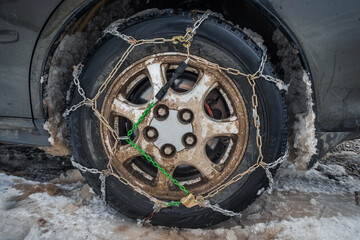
point(202, 132)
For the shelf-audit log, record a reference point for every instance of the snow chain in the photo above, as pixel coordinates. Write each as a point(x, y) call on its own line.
point(190, 200)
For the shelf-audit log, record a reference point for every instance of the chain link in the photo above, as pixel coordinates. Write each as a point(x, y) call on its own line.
point(126, 38)
point(102, 178)
point(217, 208)
point(199, 22)
point(76, 74)
point(186, 40)
point(273, 165)
point(280, 84)
point(190, 32)
point(73, 108)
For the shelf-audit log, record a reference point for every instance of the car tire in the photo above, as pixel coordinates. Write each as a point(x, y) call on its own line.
point(217, 41)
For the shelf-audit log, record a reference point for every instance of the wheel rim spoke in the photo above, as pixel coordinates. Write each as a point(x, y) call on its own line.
point(209, 128)
point(197, 158)
point(161, 180)
point(125, 153)
point(155, 74)
point(194, 98)
point(202, 87)
point(123, 107)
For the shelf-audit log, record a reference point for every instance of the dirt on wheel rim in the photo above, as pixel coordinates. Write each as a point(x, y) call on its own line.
point(191, 164)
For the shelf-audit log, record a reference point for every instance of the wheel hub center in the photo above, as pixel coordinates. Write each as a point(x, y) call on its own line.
point(171, 131)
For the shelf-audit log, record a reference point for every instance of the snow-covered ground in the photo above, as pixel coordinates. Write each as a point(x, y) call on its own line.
point(318, 204)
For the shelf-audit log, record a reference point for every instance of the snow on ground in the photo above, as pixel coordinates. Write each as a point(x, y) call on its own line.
point(318, 204)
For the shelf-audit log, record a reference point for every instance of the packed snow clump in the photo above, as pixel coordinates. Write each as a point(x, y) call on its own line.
point(301, 115)
point(304, 128)
point(73, 47)
point(255, 37)
point(70, 50)
point(299, 99)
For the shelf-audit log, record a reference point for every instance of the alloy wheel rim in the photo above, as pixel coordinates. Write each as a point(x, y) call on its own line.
point(205, 129)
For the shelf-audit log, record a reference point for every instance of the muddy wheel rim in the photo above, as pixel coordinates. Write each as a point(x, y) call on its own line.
point(198, 133)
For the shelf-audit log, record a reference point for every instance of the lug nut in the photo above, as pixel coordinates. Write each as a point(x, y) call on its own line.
point(189, 139)
point(161, 112)
point(186, 115)
point(151, 133)
point(168, 150)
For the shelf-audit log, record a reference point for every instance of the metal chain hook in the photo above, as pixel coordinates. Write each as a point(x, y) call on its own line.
point(190, 32)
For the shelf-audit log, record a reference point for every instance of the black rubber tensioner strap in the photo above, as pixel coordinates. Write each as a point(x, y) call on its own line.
point(178, 72)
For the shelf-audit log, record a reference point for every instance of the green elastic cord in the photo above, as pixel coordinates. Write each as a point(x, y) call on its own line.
point(148, 158)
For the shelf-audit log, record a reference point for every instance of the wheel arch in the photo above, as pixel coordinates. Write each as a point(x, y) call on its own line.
point(49, 39)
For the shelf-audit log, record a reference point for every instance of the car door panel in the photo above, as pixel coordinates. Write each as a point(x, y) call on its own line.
point(20, 24)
